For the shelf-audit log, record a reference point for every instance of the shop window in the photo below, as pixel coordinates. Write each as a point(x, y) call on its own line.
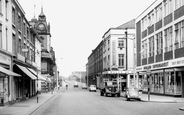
point(178, 82)
point(169, 83)
point(173, 83)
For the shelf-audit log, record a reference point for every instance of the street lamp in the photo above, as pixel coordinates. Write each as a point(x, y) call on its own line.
point(126, 36)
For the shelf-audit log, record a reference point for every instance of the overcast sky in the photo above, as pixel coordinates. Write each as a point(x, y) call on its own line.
point(77, 26)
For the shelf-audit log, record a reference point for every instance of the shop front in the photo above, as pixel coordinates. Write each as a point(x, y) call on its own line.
point(168, 80)
point(6, 76)
point(25, 87)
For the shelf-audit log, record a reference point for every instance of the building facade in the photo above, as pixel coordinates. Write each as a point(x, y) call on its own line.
point(23, 51)
point(47, 53)
point(95, 65)
point(160, 48)
point(118, 55)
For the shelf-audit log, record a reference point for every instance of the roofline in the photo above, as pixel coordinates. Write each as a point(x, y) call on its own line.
point(146, 9)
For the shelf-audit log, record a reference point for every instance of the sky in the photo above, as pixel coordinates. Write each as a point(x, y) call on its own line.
point(77, 26)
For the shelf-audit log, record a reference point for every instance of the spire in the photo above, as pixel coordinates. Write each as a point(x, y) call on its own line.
point(42, 14)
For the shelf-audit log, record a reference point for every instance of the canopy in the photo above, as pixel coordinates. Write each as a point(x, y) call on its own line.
point(8, 72)
point(40, 77)
point(27, 72)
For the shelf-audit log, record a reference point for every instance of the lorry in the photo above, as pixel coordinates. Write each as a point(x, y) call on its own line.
point(109, 87)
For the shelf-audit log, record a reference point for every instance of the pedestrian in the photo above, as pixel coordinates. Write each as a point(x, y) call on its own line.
point(66, 86)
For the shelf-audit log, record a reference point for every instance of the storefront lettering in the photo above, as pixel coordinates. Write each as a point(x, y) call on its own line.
point(165, 64)
point(147, 67)
point(178, 62)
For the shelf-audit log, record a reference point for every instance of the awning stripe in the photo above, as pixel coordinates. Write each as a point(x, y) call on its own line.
point(8, 72)
point(27, 72)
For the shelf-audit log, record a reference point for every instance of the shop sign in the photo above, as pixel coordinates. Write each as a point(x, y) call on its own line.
point(178, 62)
point(165, 64)
point(5, 59)
point(46, 55)
point(20, 57)
point(147, 67)
point(139, 69)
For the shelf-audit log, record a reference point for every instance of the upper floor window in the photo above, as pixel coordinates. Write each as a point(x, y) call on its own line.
point(179, 35)
point(120, 42)
point(179, 3)
point(6, 8)
point(19, 22)
point(121, 60)
point(151, 19)
point(144, 49)
point(151, 46)
point(13, 15)
point(13, 44)
point(144, 23)
point(1, 7)
point(168, 39)
point(159, 43)
point(168, 7)
point(19, 46)
point(1, 38)
point(159, 13)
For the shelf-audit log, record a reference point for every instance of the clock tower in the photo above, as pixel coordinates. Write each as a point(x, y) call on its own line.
point(43, 30)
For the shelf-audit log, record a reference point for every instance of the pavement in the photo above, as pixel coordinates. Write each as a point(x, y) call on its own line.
point(27, 107)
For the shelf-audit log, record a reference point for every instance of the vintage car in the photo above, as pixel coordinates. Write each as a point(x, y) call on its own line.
point(132, 93)
point(92, 88)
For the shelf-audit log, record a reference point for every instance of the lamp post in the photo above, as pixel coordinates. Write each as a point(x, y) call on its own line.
point(126, 36)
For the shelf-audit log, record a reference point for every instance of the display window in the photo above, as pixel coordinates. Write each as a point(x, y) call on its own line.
point(173, 82)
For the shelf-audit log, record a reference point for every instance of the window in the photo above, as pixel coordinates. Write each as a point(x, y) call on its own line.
point(168, 7)
point(159, 13)
point(168, 39)
point(13, 44)
point(151, 46)
point(6, 38)
point(1, 7)
point(6, 9)
point(19, 46)
point(179, 35)
point(144, 23)
point(13, 15)
point(179, 3)
point(1, 38)
point(151, 18)
point(121, 60)
point(159, 43)
point(144, 49)
point(19, 22)
point(120, 42)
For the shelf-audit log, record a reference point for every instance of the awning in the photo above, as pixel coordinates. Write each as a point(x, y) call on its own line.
point(8, 72)
point(40, 77)
point(27, 72)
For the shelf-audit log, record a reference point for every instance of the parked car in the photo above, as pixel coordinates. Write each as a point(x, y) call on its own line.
point(92, 88)
point(132, 93)
point(84, 86)
point(76, 84)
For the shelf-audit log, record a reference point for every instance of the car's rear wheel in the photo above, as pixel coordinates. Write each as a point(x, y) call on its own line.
point(128, 99)
point(106, 94)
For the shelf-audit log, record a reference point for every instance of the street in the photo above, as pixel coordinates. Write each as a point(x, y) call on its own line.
point(78, 101)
